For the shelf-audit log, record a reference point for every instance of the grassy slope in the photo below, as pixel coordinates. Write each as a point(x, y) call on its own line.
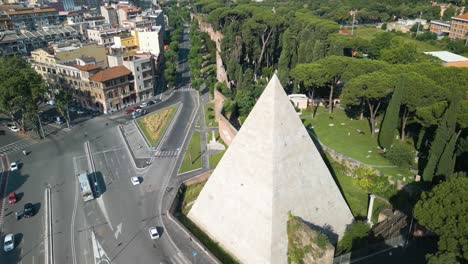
point(194, 148)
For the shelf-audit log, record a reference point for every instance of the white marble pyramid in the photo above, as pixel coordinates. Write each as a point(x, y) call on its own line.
point(271, 167)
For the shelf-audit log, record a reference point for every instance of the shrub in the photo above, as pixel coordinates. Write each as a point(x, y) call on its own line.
point(354, 237)
point(368, 179)
point(401, 155)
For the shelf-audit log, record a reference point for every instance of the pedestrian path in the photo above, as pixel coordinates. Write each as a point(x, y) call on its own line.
point(179, 259)
point(18, 145)
point(166, 153)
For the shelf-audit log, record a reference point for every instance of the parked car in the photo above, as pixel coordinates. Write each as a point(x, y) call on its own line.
point(72, 109)
point(13, 166)
point(51, 102)
point(157, 100)
point(135, 180)
point(129, 111)
point(136, 107)
point(150, 103)
point(80, 111)
point(12, 198)
point(13, 128)
point(9, 243)
point(28, 210)
point(153, 231)
point(143, 105)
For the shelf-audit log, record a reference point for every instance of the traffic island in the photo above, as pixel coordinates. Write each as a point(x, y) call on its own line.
point(155, 124)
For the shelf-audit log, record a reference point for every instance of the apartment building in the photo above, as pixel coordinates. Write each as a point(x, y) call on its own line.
point(440, 27)
point(459, 27)
point(32, 19)
point(110, 15)
point(104, 35)
point(138, 22)
point(26, 41)
point(112, 88)
point(143, 67)
point(150, 40)
point(127, 12)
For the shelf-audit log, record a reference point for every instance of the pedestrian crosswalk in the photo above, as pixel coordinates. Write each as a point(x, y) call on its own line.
point(166, 153)
point(18, 145)
point(179, 258)
point(185, 89)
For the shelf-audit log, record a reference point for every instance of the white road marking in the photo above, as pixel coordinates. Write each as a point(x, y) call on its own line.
point(118, 231)
point(72, 225)
point(101, 205)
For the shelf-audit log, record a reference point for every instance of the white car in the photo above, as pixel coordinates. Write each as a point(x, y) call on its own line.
point(153, 231)
point(13, 128)
point(13, 166)
point(80, 112)
point(9, 243)
point(135, 180)
point(143, 105)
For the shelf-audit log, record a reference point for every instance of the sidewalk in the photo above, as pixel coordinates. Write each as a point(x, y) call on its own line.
point(135, 142)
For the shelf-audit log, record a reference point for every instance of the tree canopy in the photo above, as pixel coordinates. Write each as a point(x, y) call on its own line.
point(444, 210)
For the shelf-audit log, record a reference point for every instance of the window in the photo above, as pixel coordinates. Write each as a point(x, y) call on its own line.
point(138, 68)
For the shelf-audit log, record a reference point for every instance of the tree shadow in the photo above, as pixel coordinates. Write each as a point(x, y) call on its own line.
point(15, 181)
point(326, 229)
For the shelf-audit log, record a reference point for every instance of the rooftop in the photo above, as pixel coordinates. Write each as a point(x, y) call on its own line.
point(110, 73)
point(88, 67)
point(30, 11)
point(463, 16)
point(447, 56)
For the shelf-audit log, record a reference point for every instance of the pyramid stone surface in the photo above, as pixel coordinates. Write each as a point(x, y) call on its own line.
point(271, 167)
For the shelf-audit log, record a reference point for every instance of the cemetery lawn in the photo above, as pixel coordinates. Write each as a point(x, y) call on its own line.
point(192, 158)
point(155, 124)
point(351, 137)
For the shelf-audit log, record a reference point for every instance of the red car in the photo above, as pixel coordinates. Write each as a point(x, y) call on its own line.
point(12, 198)
point(129, 111)
point(136, 108)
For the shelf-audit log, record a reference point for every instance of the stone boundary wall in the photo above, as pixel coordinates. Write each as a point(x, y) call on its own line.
point(199, 178)
point(226, 131)
point(216, 37)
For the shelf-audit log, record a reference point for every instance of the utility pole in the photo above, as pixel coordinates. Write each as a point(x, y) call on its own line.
point(68, 119)
point(419, 23)
point(353, 12)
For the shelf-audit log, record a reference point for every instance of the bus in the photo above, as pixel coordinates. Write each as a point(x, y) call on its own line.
point(85, 187)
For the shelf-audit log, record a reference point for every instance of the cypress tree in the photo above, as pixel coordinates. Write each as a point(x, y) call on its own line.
point(440, 160)
point(390, 121)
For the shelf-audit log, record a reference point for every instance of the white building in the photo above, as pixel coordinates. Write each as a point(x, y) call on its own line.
point(151, 41)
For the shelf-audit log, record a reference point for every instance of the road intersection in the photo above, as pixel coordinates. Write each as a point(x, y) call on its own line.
point(113, 228)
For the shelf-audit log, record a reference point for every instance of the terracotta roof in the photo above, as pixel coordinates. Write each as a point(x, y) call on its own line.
point(31, 11)
point(463, 16)
point(458, 64)
point(111, 73)
point(88, 67)
point(108, 7)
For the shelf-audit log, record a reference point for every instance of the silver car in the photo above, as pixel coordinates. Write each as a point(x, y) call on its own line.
point(9, 243)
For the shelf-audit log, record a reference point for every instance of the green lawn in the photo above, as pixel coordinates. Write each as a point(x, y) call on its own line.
point(210, 119)
point(155, 124)
point(192, 158)
point(214, 159)
point(351, 137)
point(366, 32)
point(355, 196)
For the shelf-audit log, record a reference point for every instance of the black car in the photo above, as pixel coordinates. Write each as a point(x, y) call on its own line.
point(28, 210)
point(157, 100)
point(149, 103)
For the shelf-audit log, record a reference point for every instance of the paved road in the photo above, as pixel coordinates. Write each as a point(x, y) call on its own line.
point(119, 219)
